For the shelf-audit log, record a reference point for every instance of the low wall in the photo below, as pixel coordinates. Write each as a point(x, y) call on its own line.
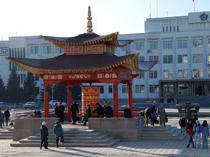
point(25, 127)
point(125, 129)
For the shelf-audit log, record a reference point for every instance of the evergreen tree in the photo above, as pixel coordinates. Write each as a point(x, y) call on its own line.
point(13, 87)
point(29, 88)
point(60, 92)
point(2, 90)
point(42, 93)
point(76, 92)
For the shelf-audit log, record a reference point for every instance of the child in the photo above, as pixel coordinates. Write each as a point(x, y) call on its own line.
point(189, 130)
point(205, 133)
point(153, 118)
point(197, 134)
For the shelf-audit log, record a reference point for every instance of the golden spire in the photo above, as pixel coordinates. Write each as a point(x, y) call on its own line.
point(89, 23)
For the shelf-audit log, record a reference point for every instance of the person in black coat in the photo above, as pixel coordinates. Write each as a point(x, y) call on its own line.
point(7, 115)
point(99, 109)
point(56, 109)
point(44, 135)
point(127, 112)
point(61, 109)
point(74, 110)
point(193, 119)
point(38, 113)
point(88, 114)
point(108, 110)
point(148, 115)
point(182, 124)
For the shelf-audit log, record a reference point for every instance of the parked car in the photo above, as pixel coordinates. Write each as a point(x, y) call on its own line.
point(3, 105)
point(53, 102)
point(31, 105)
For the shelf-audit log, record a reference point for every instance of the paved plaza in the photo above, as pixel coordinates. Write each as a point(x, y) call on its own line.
point(121, 149)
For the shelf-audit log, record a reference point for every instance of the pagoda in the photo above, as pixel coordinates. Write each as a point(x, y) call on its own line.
point(88, 58)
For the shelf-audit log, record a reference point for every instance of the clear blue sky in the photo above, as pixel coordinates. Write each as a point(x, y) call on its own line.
point(69, 17)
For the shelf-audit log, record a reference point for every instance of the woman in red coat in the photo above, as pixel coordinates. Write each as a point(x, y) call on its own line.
point(189, 130)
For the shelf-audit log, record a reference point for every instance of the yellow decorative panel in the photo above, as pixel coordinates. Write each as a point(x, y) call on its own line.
point(73, 49)
point(94, 48)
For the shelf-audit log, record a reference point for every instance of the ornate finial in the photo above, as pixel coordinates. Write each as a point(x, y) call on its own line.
point(89, 23)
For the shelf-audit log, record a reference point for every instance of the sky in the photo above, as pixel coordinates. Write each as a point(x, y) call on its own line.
point(67, 18)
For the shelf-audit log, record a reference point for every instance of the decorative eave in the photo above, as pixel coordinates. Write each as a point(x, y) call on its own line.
point(130, 63)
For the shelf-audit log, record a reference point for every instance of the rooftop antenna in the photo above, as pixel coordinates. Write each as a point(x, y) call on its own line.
point(157, 8)
point(89, 23)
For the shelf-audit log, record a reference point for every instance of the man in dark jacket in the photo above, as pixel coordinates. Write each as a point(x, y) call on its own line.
point(88, 114)
point(38, 113)
point(56, 110)
point(108, 110)
point(99, 109)
point(1, 118)
point(193, 119)
point(182, 124)
point(148, 116)
point(7, 115)
point(127, 112)
point(44, 135)
point(61, 109)
point(74, 110)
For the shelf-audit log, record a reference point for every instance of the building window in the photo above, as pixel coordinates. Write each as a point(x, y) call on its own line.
point(140, 58)
point(182, 58)
point(139, 46)
point(141, 75)
point(153, 45)
point(209, 73)
point(208, 42)
point(59, 50)
point(197, 43)
point(168, 89)
point(167, 59)
point(167, 44)
point(140, 89)
point(166, 29)
point(181, 44)
point(183, 73)
point(170, 29)
point(177, 28)
point(154, 88)
point(137, 88)
point(197, 73)
point(174, 28)
point(101, 89)
point(153, 58)
point(34, 50)
point(197, 58)
point(153, 74)
point(183, 89)
point(46, 49)
point(209, 57)
point(163, 29)
point(168, 73)
point(124, 89)
point(110, 89)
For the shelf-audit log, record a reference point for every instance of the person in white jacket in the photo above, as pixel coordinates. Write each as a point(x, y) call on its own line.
point(13, 117)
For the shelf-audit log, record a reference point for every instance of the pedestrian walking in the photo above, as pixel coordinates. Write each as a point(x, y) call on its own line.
point(56, 110)
point(193, 119)
point(148, 116)
point(153, 118)
point(99, 109)
point(182, 124)
point(162, 113)
point(7, 115)
point(44, 135)
point(189, 131)
point(38, 113)
point(197, 135)
point(13, 117)
point(108, 110)
point(205, 133)
point(74, 110)
point(58, 130)
point(1, 118)
point(154, 106)
point(88, 114)
point(127, 112)
point(61, 109)
point(78, 114)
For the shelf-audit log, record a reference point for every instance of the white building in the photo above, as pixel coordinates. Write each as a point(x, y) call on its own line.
point(181, 44)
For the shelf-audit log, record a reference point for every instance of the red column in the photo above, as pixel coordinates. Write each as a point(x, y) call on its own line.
point(115, 95)
point(46, 102)
point(130, 99)
point(69, 103)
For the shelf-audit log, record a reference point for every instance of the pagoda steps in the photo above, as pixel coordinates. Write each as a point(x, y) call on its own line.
point(76, 138)
point(6, 134)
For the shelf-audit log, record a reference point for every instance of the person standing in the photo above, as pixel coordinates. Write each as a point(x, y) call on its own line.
point(148, 116)
point(13, 117)
point(127, 112)
point(61, 109)
point(108, 110)
point(44, 135)
point(1, 118)
point(197, 134)
point(153, 118)
point(154, 106)
point(99, 109)
point(182, 124)
point(58, 130)
point(88, 114)
point(205, 134)
point(78, 114)
point(7, 115)
point(193, 119)
point(74, 110)
point(56, 109)
point(162, 113)
point(189, 131)
point(38, 113)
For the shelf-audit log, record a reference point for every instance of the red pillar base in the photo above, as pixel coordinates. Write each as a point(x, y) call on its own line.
point(130, 99)
point(115, 101)
point(69, 103)
point(46, 102)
